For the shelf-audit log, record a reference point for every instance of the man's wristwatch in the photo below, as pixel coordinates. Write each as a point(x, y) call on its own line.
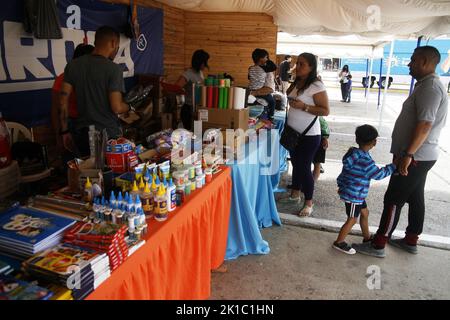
point(405, 154)
point(131, 108)
point(306, 108)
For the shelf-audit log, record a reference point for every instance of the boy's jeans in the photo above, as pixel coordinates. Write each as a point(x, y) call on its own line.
point(271, 107)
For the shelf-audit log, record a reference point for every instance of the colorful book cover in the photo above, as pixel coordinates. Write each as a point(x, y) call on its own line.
point(13, 289)
point(30, 226)
point(64, 259)
point(96, 232)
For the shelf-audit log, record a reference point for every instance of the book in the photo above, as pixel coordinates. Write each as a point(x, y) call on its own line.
point(25, 231)
point(14, 289)
point(96, 231)
point(64, 259)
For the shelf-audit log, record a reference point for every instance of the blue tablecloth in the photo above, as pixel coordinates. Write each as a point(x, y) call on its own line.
point(280, 118)
point(253, 203)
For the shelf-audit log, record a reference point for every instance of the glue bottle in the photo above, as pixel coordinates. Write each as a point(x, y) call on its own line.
point(115, 213)
point(101, 211)
point(141, 185)
point(171, 196)
point(112, 199)
point(135, 191)
point(88, 191)
point(147, 201)
point(108, 212)
point(161, 204)
point(147, 177)
point(120, 199)
point(137, 203)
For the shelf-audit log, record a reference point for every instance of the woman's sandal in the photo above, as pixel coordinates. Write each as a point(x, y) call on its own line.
point(306, 211)
point(290, 200)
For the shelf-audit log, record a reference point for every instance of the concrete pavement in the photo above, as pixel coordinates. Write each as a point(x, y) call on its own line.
point(303, 265)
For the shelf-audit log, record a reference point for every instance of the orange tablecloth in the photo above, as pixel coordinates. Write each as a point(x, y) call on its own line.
point(179, 254)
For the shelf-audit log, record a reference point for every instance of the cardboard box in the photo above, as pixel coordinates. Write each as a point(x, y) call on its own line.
point(223, 118)
point(77, 177)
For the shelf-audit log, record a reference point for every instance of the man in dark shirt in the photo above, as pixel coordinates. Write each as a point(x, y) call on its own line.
point(98, 84)
point(285, 68)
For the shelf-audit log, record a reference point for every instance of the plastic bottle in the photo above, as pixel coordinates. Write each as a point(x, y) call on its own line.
point(96, 208)
point(138, 203)
point(108, 212)
point(147, 201)
point(137, 219)
point(91, 134)
point(115, 213)
point(154, 187)
point(141, 185)
point(5, 147)
point(161, 204)
point(147, 177)
point(87, 193)
point(131, 226)
point(112, 199)
point(180, 195)
point(101, 211)
point(120, 199)
point(142, 217)
point(130, 205)
point(171, 194)
point(121, 218)
point(135, 191)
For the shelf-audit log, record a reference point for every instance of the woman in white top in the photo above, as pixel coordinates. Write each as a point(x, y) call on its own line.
point(307, 100)
point(193, 75)
point(343, 79)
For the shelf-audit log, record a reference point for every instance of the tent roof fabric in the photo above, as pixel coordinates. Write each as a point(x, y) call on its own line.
point(371, 19)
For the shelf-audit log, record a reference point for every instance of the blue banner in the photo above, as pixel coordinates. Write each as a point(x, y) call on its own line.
point(28, 66)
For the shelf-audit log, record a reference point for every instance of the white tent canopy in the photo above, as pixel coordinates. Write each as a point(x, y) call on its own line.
point(368, 18)
point(351, 46)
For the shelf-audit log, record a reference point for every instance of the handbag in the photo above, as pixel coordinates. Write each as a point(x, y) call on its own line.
point(291, 138)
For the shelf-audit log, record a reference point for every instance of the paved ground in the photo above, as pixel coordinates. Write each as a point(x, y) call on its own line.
point(343, 120)
point(302, 265)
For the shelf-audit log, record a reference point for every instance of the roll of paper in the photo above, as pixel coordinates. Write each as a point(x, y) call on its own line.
point(226, 93)
point(216, 97)
point(210, 96)
point(230, 98)
point(221, 92)
point(239, 98)
point(204, 97)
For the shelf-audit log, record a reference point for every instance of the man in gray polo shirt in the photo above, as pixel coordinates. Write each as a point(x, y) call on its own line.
point(415, 149)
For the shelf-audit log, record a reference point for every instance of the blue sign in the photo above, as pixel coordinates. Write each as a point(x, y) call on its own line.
point(28, 66)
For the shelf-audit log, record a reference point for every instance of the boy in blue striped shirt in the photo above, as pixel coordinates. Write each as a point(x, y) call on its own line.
point(354, 181)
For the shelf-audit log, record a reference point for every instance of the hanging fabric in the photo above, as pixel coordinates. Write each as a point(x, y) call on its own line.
point(41, 19)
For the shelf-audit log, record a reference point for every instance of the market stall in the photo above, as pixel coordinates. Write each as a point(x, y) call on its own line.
point(178, 255)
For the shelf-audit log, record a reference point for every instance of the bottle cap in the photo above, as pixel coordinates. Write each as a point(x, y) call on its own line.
point(142, 184)
point(147, 188)
point(88, 183)
point(135, 187)
point(161, 191)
